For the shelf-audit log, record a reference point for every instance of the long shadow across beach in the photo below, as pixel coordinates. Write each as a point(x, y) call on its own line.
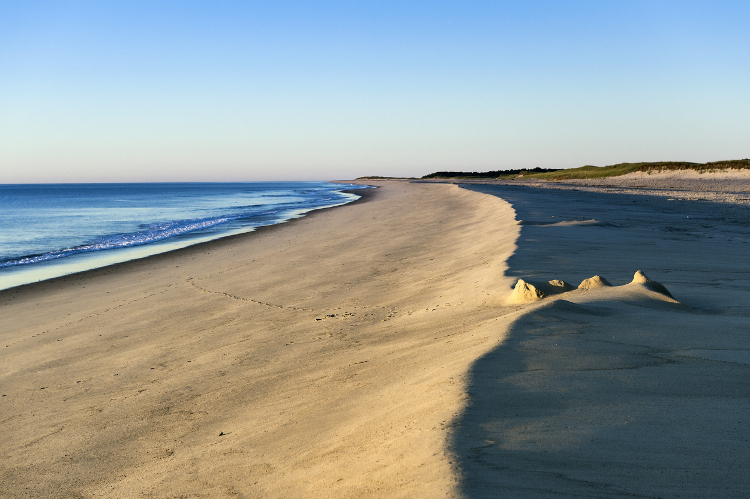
point(626, 399)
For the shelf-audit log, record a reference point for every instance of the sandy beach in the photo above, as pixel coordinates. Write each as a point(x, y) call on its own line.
point(617, 391)
point(326, 357)
point(374, 350)
point(725, 187)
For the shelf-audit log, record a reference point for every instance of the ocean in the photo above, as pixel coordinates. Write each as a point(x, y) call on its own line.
point(50, 230)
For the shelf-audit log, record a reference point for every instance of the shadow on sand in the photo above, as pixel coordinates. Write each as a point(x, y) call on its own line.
point(615, 398)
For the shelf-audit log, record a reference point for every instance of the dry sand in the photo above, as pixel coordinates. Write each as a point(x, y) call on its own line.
point(617, 391)
point(374, 350)
point(695, 182)
point(728, 187)
point(323, 358)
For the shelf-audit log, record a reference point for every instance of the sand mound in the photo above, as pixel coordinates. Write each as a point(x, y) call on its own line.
point(525, 292)
point(594, 282)
point(558, 286)
point(640, 278)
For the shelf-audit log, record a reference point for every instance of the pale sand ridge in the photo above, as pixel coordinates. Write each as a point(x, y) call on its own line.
point(525, 292)
point(323, 358)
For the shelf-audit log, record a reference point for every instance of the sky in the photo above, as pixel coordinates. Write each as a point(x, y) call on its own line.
point(112, 91)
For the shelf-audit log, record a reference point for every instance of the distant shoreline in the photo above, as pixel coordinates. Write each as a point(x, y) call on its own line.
point(590, 171)
point(365, 194)
point(13, 276)
point(725, 186)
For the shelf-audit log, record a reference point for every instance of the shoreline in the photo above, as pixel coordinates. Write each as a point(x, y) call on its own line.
point(726, 187)
point(372, 352)
point(364, 194)
point(324, 358)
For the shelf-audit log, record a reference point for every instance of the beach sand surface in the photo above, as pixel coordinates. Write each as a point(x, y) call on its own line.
point(622, 390)
point(728, 188)
point(380, 350)
point(326, 357)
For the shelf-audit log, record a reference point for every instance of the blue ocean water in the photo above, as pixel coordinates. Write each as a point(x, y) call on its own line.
point(49, 230)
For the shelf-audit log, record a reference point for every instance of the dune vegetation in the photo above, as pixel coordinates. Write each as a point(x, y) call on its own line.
point(590, 171)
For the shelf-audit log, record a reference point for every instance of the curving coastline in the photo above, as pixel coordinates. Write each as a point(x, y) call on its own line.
point(323, 357)
point(370, 351)
point(48, 236)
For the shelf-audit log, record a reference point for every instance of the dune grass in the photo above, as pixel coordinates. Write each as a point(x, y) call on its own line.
point(590, 171)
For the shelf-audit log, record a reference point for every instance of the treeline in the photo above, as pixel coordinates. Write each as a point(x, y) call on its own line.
point(491, 174)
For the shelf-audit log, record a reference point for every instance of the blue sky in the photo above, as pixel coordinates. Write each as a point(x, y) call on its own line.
point(281, 90)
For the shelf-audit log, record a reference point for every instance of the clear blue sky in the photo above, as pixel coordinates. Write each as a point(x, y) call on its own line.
point(228, 90)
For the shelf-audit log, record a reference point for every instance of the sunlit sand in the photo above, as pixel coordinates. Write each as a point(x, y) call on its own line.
point(427, 341)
